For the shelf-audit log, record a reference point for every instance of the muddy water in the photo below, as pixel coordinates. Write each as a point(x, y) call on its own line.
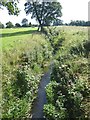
point(37, 111)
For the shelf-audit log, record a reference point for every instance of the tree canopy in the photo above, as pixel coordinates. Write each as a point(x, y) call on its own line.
point(79, 23)
point(11, 6)
point(57, 22)
point(44, 12)
point(17, 25)
point(9, 25)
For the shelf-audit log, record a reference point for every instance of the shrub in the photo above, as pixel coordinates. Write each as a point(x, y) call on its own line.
point(9, 25)
point(66, 93)
point(17, 25)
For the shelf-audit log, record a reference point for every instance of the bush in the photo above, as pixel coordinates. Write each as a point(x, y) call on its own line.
point(66, 93)
point(81, 49)
point(17, 25)
point(21, 80)
point(9, 25)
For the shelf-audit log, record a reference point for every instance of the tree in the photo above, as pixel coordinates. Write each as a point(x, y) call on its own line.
point(30, 24)
point(9, 25)
point(79, 23)
point(58, 22)
point(11, 6)
point(88, 23)
point(44, 12)
point(24, 22)
point(1, 25)
point(17, 25)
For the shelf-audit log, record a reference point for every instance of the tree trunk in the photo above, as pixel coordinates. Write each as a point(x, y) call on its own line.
point(40, 28)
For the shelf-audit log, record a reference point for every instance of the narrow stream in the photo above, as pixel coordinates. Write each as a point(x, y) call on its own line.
point(37, 111)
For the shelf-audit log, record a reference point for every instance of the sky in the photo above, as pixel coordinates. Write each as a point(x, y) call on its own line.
point(71, 10)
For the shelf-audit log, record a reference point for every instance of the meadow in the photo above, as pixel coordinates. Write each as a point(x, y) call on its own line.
point(27, 55)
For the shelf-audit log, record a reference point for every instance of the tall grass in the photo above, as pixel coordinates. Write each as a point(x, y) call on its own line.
point(68, 93)
point(25, 53)
point(26, 56)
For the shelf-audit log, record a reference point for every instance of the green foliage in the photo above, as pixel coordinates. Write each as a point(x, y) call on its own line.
point(49, 91)
point(11, 6)
point(25, 59)
point(66, 93)
point(9, 25)
point(22, 72)
point(79, 23)
point(81, 49)
point(17, 25)
point(55, 37)
point(57, 22)
point(55, 108)
point(44, 12)
point(52, 113)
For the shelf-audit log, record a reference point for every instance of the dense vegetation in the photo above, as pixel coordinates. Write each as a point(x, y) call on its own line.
point(25, 58)
point(79, 23)
point(57, 22)
point(27, 55)
point(68, 93)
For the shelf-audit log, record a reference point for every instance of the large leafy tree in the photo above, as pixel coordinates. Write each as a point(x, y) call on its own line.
point(11, 6)
point(44, 12)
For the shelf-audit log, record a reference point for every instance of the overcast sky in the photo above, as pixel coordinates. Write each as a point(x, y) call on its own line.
point(72, 10)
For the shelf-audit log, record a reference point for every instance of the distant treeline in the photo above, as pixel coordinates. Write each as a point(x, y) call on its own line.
point(25, 23)
point(17, 25)
point(73, 23)
point(78, 23)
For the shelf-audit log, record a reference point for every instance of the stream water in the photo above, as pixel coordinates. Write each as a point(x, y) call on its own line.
point(37, 111)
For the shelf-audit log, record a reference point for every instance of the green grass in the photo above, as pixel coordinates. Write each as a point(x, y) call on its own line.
point(73, 36)
point(70, 60)
point(11, 37)
point(26, 56)
point(17, 41)
point(25, 51)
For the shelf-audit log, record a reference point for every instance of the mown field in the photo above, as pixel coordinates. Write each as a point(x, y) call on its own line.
point(27, 55)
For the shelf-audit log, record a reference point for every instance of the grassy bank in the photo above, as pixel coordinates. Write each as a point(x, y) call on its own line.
point(26, 54)
point(68, 93)
point(26, 57)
